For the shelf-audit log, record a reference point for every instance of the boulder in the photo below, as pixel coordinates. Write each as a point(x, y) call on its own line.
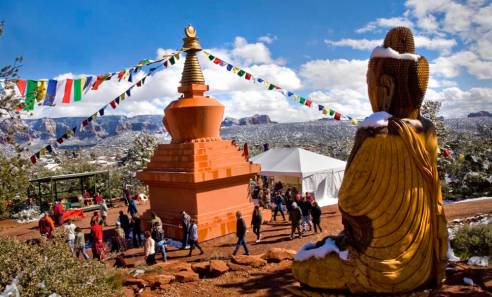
point(147, 292)
point(217, 267)
point(276, 255)
point(132, 281)
point(186, 276)
point(201, 267)
point(237, 267)
point(247, 260)
point(156, 280)
point(128, 292)
point(172, 267)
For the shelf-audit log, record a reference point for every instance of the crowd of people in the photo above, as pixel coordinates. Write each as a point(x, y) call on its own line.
point(303, 212)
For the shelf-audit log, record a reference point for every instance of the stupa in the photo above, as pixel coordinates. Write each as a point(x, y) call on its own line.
point(198, 172)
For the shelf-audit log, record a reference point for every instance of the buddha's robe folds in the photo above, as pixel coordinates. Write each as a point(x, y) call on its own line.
point(391, 206)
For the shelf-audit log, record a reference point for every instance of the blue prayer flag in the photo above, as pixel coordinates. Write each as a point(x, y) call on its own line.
point(290, 94)
point(320, 107)
point(101, 111)
point(229, 67)
point(50, 92)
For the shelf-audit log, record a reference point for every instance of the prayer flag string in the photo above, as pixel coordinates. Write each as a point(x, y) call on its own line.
point(302, 100)
point(113, 103)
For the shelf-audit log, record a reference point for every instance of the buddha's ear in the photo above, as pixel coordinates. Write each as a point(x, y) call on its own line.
point(386, 89)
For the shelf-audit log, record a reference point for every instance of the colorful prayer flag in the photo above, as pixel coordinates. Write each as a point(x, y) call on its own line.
point(117, 100)
point(113, 104)
point(325, 111)
point(98, 82)
point(87, 83)
point(165, 64)
point(337, 116)
point(248, 76)
point(229, 67)
point(49, 148)
point(21, 85)
point(122, 97)
point(302, 100)
point(177, 56)
point(320, 107)
point(85, 122)
point(354, 122)
point(260, 80)
point(210, 57)
point(33, 159)
point(59, 140)
point(172, 61)
point(128, 94)
point(130, 78)
point(290, 94)
point(332, 112)
point(121, 74)
point(30, 94)
point(235, 69)
point(241, 72)
point(77, 90)
point(68, 90)
point(217, 61)
point(101, 111)
point(308, 103)
point(41, 91)
point(271, 87)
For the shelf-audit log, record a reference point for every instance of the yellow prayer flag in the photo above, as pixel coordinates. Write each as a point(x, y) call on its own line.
point(83, 79)
point(177, 56)
point(325, 111)
point(354, 122)
point(235, 69)
point(206, 53)
point(41, 92)
point(122, 97)
point(94, 116)
point(42, 151)
point(296, 97)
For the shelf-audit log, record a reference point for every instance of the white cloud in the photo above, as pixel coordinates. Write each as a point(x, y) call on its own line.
point(449, 67)
point(385, 23)
point(252, 53)
point(267, 39)
point(459, 103)
point(360, 44)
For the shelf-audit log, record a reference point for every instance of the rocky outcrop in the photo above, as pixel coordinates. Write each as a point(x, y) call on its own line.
point(277, 255)
point(480, 114)
point(257, 119)
point(249, 260)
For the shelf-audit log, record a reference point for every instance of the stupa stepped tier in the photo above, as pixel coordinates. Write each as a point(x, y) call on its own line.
point(198, 172)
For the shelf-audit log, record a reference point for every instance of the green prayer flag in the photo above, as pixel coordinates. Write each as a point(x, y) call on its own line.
point(32, 85)
point(172, 61)
point(271, 87)
point(302, 100)
point(332, 112)
point(77, 90)
point(210, 57)
point(241, 72)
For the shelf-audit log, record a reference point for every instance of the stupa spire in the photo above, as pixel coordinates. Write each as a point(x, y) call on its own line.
point(192, 72)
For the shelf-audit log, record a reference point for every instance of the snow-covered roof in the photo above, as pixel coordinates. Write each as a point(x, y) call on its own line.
point(295, 162)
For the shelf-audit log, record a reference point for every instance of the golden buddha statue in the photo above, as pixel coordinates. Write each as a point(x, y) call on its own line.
point(395, 236)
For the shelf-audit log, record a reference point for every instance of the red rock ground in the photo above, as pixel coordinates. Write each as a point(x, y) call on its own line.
point(272, 279)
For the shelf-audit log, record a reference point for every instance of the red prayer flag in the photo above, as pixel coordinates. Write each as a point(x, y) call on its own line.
point(21, 85)
point(217, 61)
point(446, 153)
point(98, 82)
point(337, 116)
point(68, 91)
point(33, 159)
point(85, 122)
point(139, 83)
point(113, 104)
point(308, 102)
point(120, 75)
point(59, 140)
point(247, 76)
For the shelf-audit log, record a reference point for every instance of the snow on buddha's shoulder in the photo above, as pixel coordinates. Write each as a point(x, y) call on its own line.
point(376, 120)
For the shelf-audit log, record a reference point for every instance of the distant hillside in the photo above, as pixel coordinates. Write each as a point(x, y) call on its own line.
point(480, 114)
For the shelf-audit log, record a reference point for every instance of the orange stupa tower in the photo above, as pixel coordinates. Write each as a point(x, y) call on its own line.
point(198, 172)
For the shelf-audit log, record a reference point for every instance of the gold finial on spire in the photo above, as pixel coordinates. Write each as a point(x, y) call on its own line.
point(192, 72)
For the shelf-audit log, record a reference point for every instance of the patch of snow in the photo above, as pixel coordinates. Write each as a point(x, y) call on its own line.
point(468, 281)
point(309, 251)
point(11, 290)
point(376, 120)
point(451, 256)
point(479, 261)
point(467, 200)
point(388, 52)
point(28, 215)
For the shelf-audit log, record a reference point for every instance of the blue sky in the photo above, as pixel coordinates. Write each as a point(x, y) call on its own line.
point(302, 47)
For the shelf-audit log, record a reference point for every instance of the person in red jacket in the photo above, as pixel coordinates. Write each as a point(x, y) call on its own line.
point(97, 240)
point(58, 211)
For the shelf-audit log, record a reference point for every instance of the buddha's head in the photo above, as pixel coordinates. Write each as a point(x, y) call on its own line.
point(397, 77)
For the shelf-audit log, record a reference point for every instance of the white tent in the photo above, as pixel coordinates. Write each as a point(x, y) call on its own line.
point(315, 173)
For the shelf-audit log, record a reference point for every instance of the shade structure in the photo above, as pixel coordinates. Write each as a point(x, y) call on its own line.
point(316, 173)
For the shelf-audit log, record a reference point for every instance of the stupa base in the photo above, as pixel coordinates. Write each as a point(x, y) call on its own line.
point(310, 292)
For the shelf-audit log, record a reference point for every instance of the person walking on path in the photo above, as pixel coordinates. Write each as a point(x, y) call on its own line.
point(125, 224)
point(136, 224)
point(95, 218)
point(240, 233)
point(46, 226)
point(279, 202)
point(193, 233)
point(58, 213)
point(256, 221)
point(149, 249)
point(157, 234)
point(132, 207)
point(118, 242)
point(185, 224)
point(103, 210)
point(69, 228)
point(295, 217)
point(306, 214)
point(316, 214)
point(80, 243)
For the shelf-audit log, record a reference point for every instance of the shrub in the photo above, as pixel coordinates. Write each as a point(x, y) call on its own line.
point(49, 267)
point(473, 240)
